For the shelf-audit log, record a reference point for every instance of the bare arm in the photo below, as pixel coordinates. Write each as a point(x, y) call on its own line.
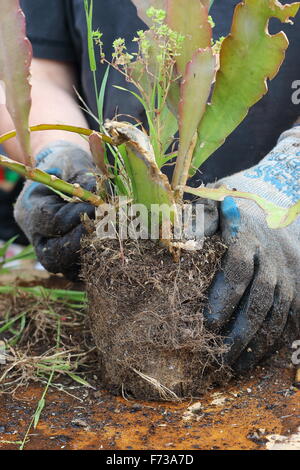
point(53, 102)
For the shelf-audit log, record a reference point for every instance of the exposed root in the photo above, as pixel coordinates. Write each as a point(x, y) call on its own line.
point(147, 319)
point(164, 392)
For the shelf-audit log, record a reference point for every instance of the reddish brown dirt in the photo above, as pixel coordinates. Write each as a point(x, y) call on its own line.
point(239, 416)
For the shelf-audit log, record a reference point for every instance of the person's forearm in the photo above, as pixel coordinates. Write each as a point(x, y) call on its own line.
point(53, 102)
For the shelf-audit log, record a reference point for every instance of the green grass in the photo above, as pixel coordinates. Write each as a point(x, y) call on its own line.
point(26, 253)
point(43, 332)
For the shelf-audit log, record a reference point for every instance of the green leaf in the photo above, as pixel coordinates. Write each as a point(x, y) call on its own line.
point(149, 184)
point(276, 216)
point(38, 412)
point(15, 60)
point(52, 294)
point(79, 380)
point(174, 97)
point(101, 96)
point(169, 129)
point(27, 253)
point(11, 322)
point(249, 57)
point(195, 90)
point(190, 18)
point(89, 22)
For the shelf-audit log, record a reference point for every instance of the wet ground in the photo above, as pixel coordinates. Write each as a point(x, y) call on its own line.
point(244, 415)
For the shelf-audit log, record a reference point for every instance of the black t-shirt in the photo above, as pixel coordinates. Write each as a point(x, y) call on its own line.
point(57, 30)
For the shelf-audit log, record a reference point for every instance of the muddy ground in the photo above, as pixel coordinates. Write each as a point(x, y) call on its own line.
point(260, 412)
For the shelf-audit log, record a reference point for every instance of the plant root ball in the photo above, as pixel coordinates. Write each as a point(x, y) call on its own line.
point(146, 317)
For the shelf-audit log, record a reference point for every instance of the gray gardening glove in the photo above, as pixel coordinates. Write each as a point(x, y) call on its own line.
point(51, 224)
point(255, 300)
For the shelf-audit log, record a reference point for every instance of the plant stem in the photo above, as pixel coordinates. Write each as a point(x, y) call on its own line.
point(52, 181)
point(181, 171)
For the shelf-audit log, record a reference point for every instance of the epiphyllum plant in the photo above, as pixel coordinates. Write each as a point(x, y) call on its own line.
point(175, 70)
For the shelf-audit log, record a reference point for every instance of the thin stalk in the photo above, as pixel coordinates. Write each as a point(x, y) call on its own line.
point(52, 181)
point(59, 127)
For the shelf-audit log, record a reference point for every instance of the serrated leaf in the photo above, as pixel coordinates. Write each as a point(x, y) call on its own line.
point(249, 57)
point(190, 18)
point(276, 216)
point(15, 60)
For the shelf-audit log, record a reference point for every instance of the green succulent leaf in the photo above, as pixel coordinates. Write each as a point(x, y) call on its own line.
point(249, 57)
point(15, 60)
point(169, 129)
point(195, 89)
point(149, 184)
point(189, 18)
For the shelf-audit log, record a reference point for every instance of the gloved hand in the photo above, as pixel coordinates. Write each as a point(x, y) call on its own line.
point(51, 224)
point(255, 300)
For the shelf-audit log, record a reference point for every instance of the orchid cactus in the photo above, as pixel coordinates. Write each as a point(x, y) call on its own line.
point(177, 65)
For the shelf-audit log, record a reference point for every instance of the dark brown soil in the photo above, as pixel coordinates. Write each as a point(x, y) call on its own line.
point(146, 314)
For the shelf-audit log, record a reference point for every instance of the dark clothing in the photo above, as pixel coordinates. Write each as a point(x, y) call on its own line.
point(8, 226)
point(57, 30)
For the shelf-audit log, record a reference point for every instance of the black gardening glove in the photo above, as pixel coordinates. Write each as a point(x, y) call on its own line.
point(255, 300)
point(51, 224)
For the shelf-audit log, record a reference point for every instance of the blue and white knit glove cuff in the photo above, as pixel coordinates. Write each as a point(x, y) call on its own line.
point(276, 178)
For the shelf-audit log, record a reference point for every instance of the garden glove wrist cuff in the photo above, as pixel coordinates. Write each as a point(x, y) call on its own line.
point(64, 160)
